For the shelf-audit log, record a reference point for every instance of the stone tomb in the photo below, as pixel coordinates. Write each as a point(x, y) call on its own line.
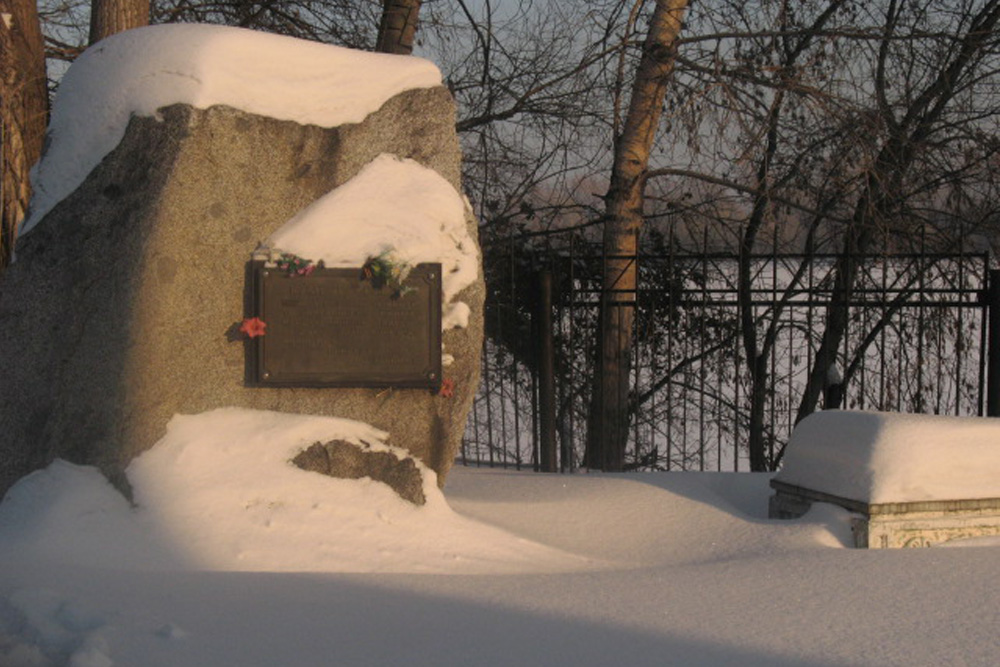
point(911, 480)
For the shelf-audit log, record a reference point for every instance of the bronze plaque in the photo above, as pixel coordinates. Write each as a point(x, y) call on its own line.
point(334, 328)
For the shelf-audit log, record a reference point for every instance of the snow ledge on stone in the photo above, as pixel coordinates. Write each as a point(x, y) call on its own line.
point(394, 207)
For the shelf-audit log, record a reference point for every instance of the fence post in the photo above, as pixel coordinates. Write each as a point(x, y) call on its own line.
point(546, 375)
point(993, 352)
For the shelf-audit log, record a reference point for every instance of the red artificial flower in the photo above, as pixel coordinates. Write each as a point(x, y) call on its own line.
point(447, 389)
point(253, 327)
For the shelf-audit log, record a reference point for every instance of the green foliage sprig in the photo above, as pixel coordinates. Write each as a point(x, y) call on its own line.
point(385, 270)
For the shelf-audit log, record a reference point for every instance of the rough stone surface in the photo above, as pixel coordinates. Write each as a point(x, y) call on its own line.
point(119, 310)
point(924, 529)
point(346, 460)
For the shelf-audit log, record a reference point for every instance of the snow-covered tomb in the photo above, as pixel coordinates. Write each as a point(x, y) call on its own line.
point(911, 480)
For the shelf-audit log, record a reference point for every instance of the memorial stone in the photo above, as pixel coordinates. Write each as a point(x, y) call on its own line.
point(125, 302)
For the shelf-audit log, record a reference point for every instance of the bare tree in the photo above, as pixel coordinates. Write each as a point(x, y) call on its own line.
point(608, 432)
point(23, 113)
point(856, 163)
point(533, 107)
point(787, 48)
point(762, 97)
point(916, 120)
point(774, 132)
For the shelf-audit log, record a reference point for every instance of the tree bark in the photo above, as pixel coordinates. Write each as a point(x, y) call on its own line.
point(608, 432)
point(23, 113)
point(398, 26)
point(108, 17)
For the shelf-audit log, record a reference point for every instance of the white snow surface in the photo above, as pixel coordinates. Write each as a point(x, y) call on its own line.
point(878, 457)
point(231, 556)
point(139, 71)
point(394, 206)
point(218, 492)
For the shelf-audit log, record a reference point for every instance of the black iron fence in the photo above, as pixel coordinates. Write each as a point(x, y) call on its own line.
point(915, 342)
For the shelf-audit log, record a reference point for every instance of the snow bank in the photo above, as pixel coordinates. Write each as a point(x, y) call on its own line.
point(886, 457)
point(218, 493)
point(703, 579)
point(139, 71)
point(68, 508)
point(38, 627)
point(393, 205)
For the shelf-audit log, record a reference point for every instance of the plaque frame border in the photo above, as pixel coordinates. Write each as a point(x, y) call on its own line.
point(256, 356)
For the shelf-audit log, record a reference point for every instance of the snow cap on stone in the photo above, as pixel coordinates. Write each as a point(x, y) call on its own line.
point(881, 457)
point(140, 71)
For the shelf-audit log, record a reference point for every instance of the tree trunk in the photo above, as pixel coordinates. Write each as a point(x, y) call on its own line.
point(398, 26)
point(108, 17)
point(608, 432)
point(23, 113)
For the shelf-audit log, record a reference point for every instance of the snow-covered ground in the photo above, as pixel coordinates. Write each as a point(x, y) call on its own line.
point(233, 557)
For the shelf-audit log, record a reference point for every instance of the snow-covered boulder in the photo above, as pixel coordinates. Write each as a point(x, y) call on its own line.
point(173, 152)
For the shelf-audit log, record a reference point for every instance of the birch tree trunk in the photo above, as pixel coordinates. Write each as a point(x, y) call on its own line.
point(108, 17)
point(23, 113)
point(398, 26)
point(608, 432)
